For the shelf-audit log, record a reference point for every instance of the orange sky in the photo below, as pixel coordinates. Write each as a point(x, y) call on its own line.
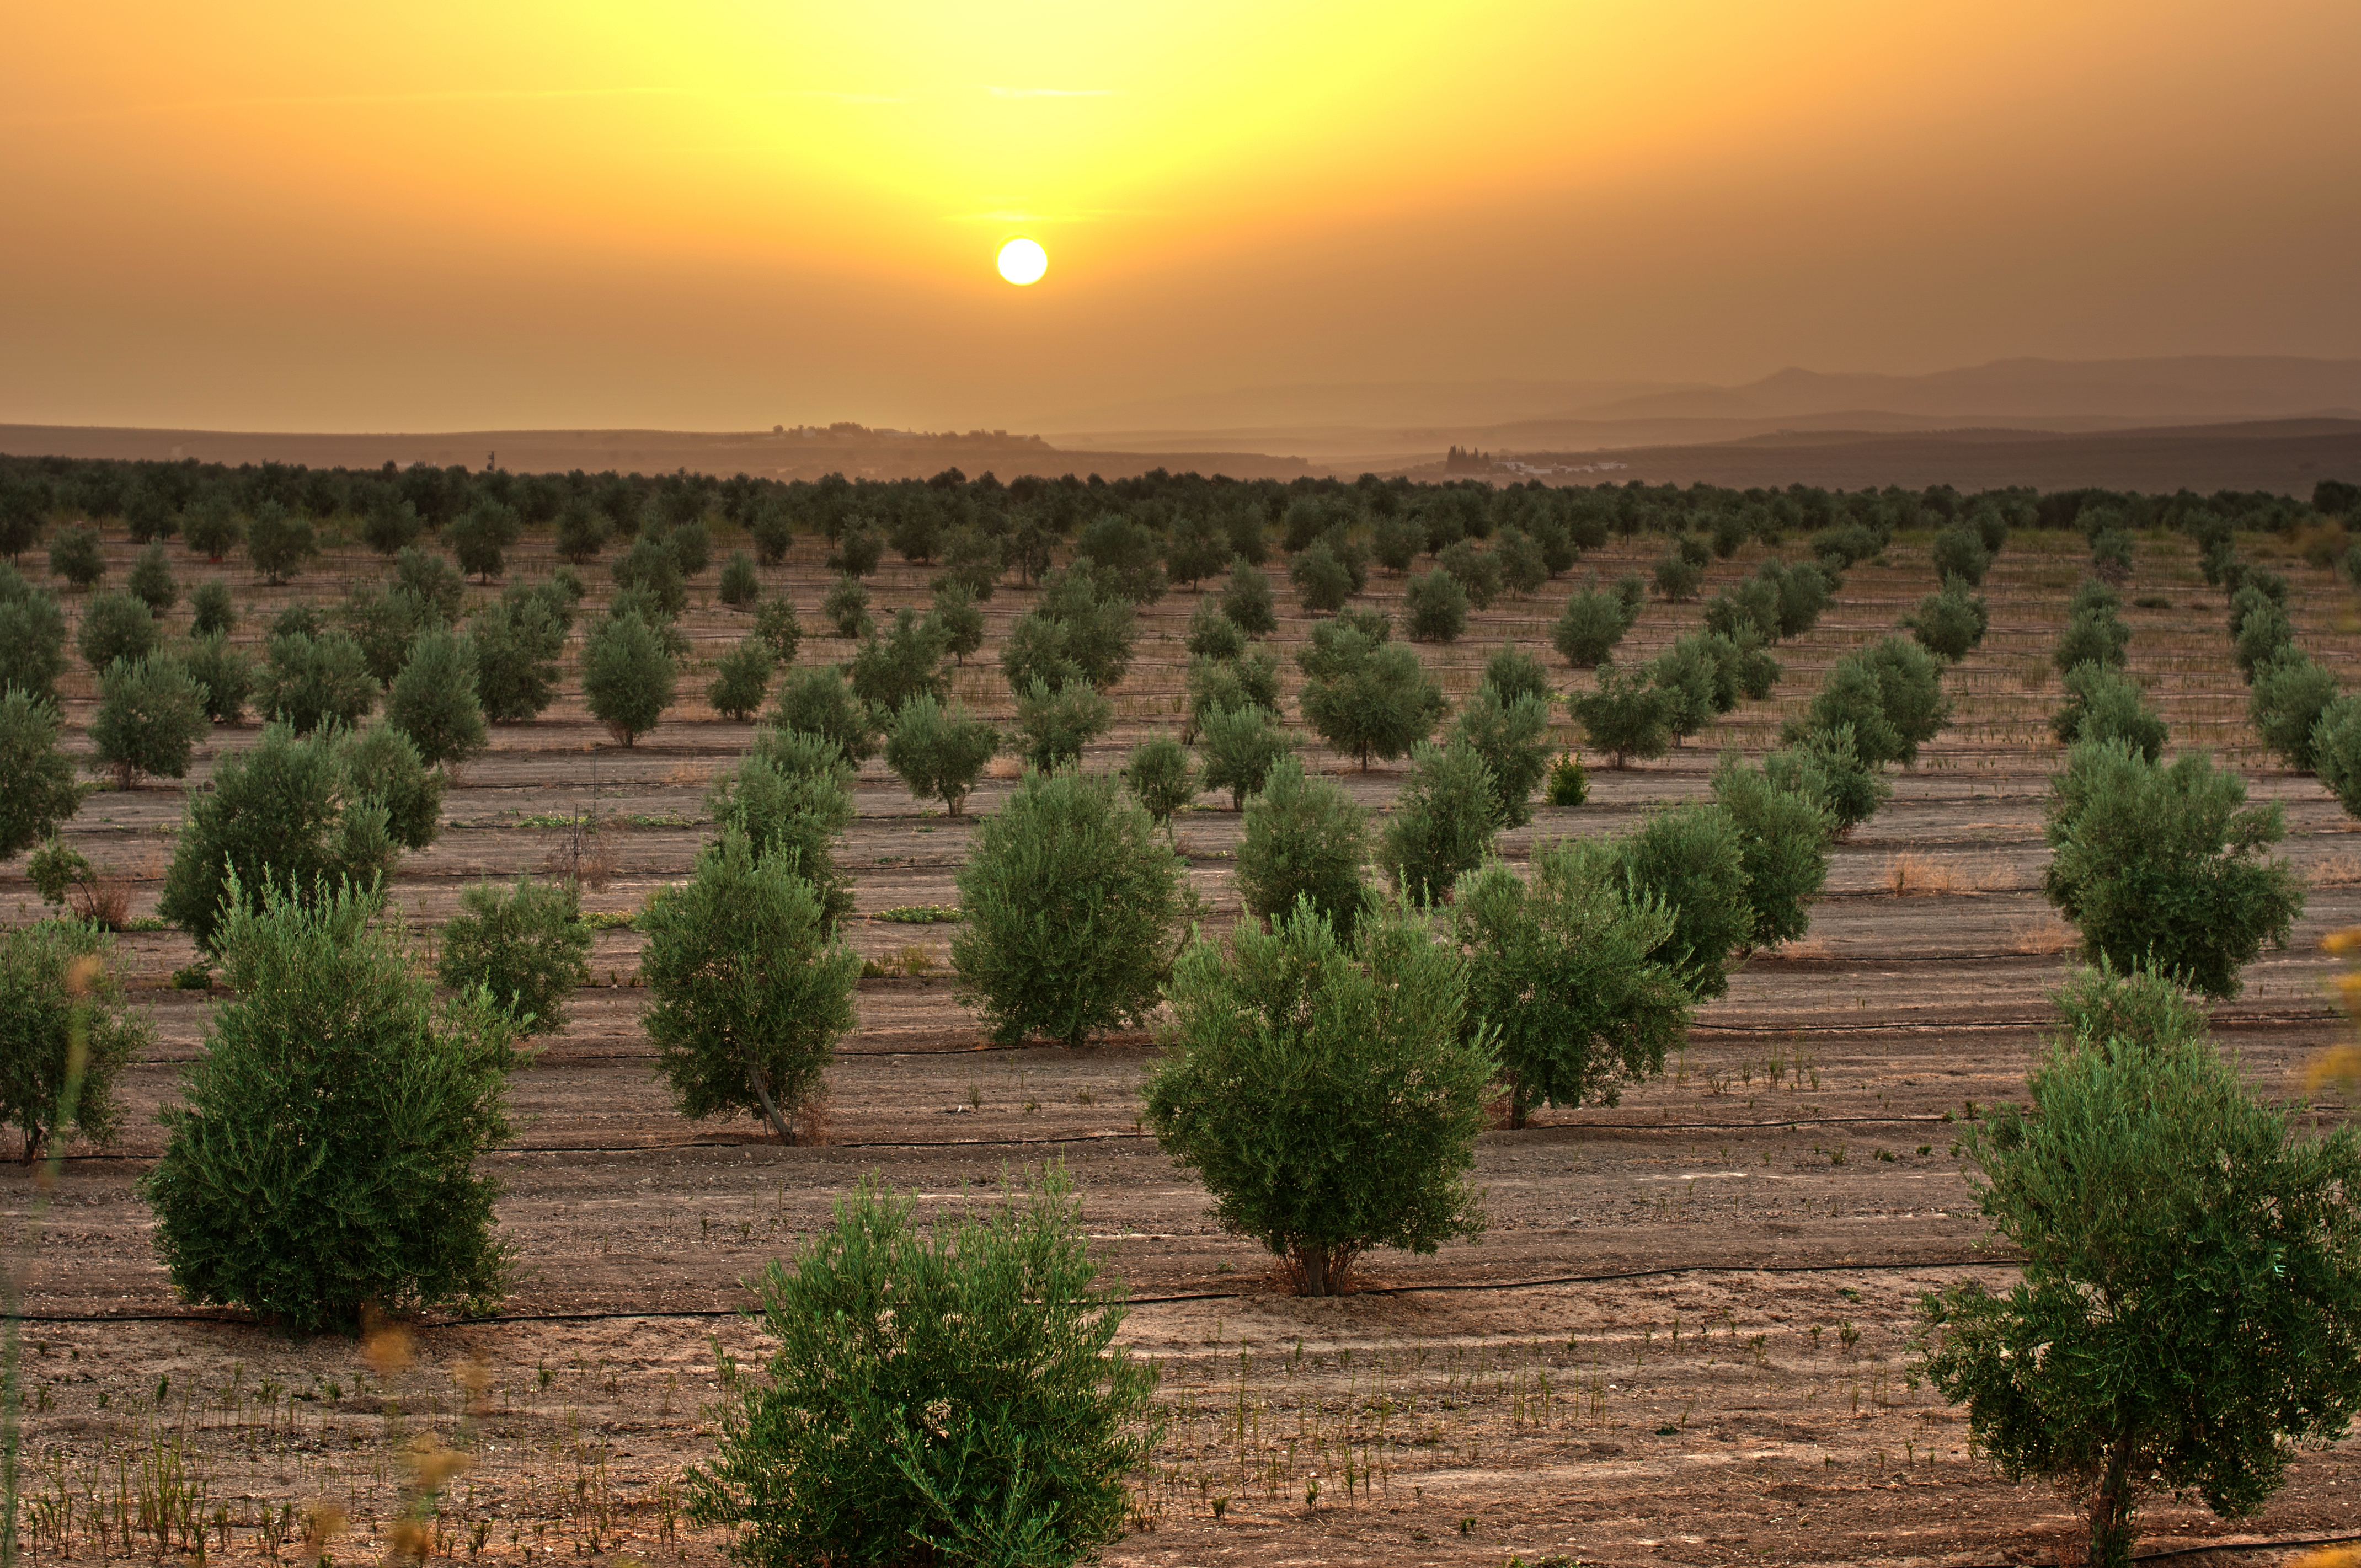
point(709, 214)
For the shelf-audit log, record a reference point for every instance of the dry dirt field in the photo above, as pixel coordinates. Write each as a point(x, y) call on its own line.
point(1685, 1339)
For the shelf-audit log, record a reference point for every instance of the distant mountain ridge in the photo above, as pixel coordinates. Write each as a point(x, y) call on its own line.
point(2029, 393)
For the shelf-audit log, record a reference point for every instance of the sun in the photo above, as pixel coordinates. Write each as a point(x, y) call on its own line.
point(1022, 261)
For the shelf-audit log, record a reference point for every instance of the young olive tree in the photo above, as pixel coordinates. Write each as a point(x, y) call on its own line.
point(938, 750)
point(526, 946)
point(36, 779)
point(1571, 972)
point(794, 793)
point(1071, 907)
point(1590, 626)
point(1056, 722)
point(952, 1393)
point(2160, 865)
point(278, 541)
point(65, 1034)
point(1328, 1096)
point(1784, 836)
point(116, 626)
point(627, 676)
point(1241, 745)
point(1364, 694)
point(2191, 1285)
point(32, 638)
point(740, 679)
point(753, 990)
point(2103, 703)
point(818, 702)
point(1693, 859)
point(289, 813)
point(309, 681)
point(1512, 734)
point(1629, 716)
point(1161, 778)
point(1305, 840)
point(322, 1160)
point(150, 715)
point(1443, 822)
point(433, 700)
point(1245, 598)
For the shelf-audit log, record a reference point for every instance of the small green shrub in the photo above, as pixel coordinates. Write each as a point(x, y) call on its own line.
point(36, 779)
point(1240, 746)
point(2105, 704)
point(958, 619)
point(1071, 904)
point(1246, 600)
point(525, 944)
point(1212, 634)
point(1569, 783)
point(278, 541)
point(65, 1034)
point(1512, 737)
point(75, 555)
point(323, 1160)
point(286, 812)
point(818, 702)
point(1329, 1097)
point(952, 1394)
point(1950, 622)
point(792, 793)
point(517, 642)
point(152, 580)
point(740, 679)
point(1435, 606)
point(1959, 553)
point(845, 608)
point(740, 585)
point(776, 624)
point(1626, 716)
point(753, 990)
point(654, 571)
point(212, 528)
point(904, 663)
point(1055, 723)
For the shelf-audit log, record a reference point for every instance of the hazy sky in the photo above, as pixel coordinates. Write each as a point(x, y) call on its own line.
point(702, 215)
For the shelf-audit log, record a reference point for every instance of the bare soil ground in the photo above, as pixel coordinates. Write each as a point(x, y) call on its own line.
point(1685, 1338)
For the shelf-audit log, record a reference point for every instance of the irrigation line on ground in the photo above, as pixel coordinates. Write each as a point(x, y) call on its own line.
point(1459, 1288)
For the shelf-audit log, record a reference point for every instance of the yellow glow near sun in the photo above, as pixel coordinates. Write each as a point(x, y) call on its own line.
point(1022, 261)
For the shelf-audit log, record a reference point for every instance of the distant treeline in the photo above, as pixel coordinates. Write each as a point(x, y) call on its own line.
point(918, 518)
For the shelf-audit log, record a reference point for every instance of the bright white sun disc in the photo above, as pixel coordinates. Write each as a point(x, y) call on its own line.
point(1022, 261)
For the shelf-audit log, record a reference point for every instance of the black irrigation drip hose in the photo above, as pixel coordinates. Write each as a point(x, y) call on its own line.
point(1484, 1286)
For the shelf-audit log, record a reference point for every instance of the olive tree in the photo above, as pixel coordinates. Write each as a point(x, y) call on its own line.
point(1693, 859)
point(1571, 972)
point(278, 541)
point(1305, 840)
point(309, 681)
point(740, 679)
point(1329, 1096)
point(65, 1034)
point(1161, 777)
point(1512, 734)
point(116, 626)
point(1783, 835)
point(1012, 1418)
point(150, 715)
point(2190, 1288)
point(1072, 903)
point(36, 779)
point(2291, 692)
point(2160, 865)
point(792, 793)
point(292, 812)
point(818, 702)
point(1240, 746)
point(1443, 822)
point(1628, 715)
point(1056, 722)
point(433, 700)
point(1590, 626)
point(525, 944)
point(32, 637)
point(628, 676)
point(752, 988)
point(321, 1160)
point(2103, 703)
point(938, 750)
point(1364, 694)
